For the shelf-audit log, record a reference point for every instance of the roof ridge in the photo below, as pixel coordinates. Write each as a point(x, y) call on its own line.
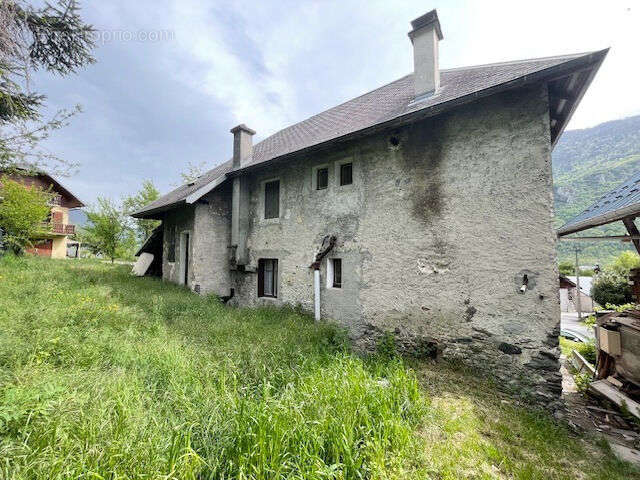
point(524, 60)
point(509, 62)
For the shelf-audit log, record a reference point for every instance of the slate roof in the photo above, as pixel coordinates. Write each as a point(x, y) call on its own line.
point(390, 104)
point(615, 205)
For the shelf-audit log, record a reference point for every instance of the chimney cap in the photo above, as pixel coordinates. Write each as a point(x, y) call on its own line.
point(242, 128)
point(428, 19)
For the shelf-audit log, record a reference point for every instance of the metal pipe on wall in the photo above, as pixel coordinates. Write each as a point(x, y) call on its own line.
point(316, 289)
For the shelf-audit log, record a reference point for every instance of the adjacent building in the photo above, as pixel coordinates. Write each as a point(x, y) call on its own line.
point(58, 228)
point(423, 208)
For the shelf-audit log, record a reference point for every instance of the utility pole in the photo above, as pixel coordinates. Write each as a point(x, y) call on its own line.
point(579, 300)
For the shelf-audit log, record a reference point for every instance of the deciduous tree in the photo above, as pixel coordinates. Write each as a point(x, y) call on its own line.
point(147, 194)
point(107, 230)
point(23, 210)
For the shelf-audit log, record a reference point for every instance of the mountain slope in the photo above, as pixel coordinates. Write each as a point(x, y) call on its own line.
point(586, 164)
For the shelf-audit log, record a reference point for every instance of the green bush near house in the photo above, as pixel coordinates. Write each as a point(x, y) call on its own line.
point(611, 287)
point(104, 375)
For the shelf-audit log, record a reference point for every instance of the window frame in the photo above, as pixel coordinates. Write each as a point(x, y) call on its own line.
point(264, 199)
point(326, 178)
point(262, 264)
point(337, 272)
point(342, 166)
point(331, 273)
point(314, 177)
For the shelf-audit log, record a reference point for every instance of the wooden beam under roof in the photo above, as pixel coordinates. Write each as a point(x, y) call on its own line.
point(633, 231)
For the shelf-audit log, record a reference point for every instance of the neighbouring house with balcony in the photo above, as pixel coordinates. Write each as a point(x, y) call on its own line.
point(57, 229)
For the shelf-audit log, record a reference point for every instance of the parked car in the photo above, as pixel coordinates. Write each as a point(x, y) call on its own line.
point(573, 336)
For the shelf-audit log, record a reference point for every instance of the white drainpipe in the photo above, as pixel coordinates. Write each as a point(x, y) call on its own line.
point(316, 288)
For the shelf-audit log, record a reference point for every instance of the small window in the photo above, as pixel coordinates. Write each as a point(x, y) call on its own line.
point(322, 178)
point(268, 277)
point(272, 199)
point(346, 174)
point(171, 248)
point(337, 272)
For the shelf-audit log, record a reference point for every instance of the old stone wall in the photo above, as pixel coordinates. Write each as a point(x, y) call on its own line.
point(436, 234)
point(212, 238)
point(208, 223)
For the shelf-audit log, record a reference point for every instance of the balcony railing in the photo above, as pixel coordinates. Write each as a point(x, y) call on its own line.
point(55, 200)
point(59, 228)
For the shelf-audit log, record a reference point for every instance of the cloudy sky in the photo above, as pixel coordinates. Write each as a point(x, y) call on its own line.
point(173, 76)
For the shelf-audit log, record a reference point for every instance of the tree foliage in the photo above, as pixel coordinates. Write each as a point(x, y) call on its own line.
point(23, 209)
point(147, 194)
point(624, 262)
point(193, 172)
point(107, 231)
point(52, 37)
point(566, 268)
point(610, 287)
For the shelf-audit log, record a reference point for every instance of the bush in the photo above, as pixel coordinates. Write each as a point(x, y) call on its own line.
point(611, 287)
point(588, 351)
point(583, 380)
point(625, 262)
point(566, 268)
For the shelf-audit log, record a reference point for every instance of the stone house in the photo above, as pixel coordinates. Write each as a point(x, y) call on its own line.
point(56, 232)
point(423, 208)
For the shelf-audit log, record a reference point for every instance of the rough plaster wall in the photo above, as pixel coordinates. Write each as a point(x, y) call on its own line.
point(435, 235)
point(177, 221)
point(211, 240)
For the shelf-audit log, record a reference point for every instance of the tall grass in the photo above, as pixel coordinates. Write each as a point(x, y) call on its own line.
point(107, 376)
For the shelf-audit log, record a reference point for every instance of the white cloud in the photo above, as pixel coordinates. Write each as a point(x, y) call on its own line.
point(317, 54)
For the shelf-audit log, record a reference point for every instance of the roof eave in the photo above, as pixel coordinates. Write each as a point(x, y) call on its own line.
point(598, 58)
point(616, 215)
point(589, 60)
point(154, 213)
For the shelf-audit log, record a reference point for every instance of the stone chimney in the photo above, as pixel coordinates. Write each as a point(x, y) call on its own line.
point(425, 36)
point(242, 145)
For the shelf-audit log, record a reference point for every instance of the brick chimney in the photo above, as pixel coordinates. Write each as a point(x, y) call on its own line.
point(242, 145)
point(425, 36)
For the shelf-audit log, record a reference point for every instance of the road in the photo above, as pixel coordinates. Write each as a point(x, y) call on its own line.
point(569, 321)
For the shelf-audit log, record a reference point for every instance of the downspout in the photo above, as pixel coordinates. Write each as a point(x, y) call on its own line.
point(328, 243)
point(316, 289)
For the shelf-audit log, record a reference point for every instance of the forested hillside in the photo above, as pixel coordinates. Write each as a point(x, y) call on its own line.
point(586, 164)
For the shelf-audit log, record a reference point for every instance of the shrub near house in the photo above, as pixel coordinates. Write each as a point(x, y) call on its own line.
point(23, 211)
point(48, 235)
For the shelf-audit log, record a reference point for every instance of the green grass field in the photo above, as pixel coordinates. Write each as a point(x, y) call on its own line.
point(106, 376)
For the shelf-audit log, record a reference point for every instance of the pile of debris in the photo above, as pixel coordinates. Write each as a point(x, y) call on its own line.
point(616, 382)
point(617, 370)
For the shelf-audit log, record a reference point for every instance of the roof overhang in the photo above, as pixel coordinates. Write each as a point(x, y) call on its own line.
point(604, 219)
point(189, 200)
point(157, 213)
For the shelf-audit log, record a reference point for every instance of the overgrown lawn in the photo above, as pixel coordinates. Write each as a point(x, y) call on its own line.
point(106, 376)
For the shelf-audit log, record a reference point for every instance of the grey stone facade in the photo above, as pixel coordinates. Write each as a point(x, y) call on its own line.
point(435, 235)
